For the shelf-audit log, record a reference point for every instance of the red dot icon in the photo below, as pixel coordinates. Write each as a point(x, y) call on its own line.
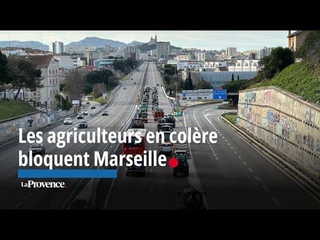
point(173, 162)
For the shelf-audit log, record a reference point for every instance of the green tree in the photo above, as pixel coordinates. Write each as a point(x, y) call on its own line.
point(131, 63)
point(188, 83)
point(4, 80)
point(279, 59)
point(23, 73)
point(169, 69)
point(101, 76)
point(203, 85)
point(87, 89)
point(119, 64)
point(94, 77)
point(232, 77)
point(3, 69)
point(62, 103)
point(235, 86)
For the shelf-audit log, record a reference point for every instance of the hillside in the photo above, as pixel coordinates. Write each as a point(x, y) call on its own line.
point(298, 78)
point(88, 41)
point(11, 109)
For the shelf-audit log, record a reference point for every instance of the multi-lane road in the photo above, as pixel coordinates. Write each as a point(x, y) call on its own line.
point(232, 172)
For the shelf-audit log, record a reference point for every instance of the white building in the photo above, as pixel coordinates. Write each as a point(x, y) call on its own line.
point(57, 47)
point(49, 67)
point(213, 65)
point(78, 61)
point(163, 50)
point(65, 62)
point(245, 66)
point(231, 51)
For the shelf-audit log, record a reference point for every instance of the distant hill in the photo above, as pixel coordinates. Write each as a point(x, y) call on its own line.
point(101, 43)
point(27, 44)
point(88, 41)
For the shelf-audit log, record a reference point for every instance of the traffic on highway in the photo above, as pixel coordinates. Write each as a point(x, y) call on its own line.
point(198, 162)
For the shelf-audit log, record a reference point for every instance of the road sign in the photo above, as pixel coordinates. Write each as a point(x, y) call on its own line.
point(220, 94)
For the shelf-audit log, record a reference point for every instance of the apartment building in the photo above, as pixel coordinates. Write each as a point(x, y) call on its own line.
point(49, 67)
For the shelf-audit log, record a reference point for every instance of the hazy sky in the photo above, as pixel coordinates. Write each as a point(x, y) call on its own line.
point(204, 40)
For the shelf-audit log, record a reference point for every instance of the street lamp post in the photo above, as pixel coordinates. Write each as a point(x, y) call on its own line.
point(176, 90)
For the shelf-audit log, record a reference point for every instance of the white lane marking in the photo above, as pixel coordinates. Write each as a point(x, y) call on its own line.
point(257, 178)
point(265, 188)
point(275, 201)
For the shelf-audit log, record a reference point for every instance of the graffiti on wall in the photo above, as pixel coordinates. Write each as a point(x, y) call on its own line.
point(285, 123)
point(318, 146)
point(250, 97)
point(267, 96)
point(288, 126)
point(273, 117)
point(11, 128)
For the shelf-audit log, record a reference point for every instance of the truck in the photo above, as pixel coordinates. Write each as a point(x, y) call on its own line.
point(181, 148)
point(132, 146)
point(183, 166)
point(158, 113)
point(181, 153)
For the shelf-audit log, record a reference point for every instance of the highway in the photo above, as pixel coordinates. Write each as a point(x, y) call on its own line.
point(120, 111)
point(237, 176)
point(233, 173)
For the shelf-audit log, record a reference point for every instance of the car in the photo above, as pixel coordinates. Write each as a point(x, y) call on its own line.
point(166, 148)
point(165, 127)
point(104, 113)
point(166, 135)
point(193, 198)
point(67, 121)
point(37, 148)
point(84, 112)
point(137, 123)
point(80, 116)
point(93, 107)
point(124, 88)
point(170, 119)
point(136, 170)
point(83, 124)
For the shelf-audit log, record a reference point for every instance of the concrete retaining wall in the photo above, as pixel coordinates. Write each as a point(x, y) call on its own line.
point(10, 129)
point(284, 122)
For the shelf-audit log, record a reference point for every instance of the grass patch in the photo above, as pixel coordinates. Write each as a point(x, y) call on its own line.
point(299, 78)
point(231, 117)
point(228, 106)
point(12, 109)
point(100, 100)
